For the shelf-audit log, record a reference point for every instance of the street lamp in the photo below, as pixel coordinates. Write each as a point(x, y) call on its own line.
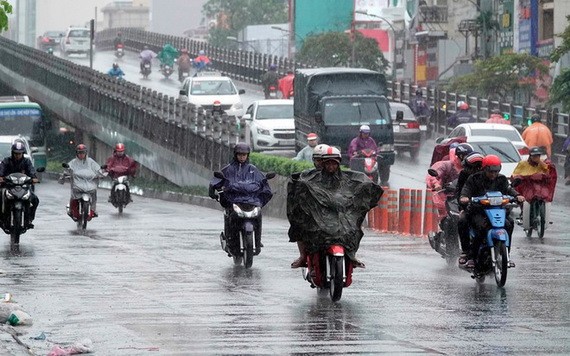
point(289, 33)
point(393, 38)
point(232, 38)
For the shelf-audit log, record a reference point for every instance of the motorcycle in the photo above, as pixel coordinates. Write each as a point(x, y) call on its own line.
point(79, 209)
point(166, 70)
point(329, 269)
point(119, 51)
point(365, 161)
point(16, 205)
point(146, 70)
point(446, 242)
point(493, 256)
point(272, 92)
point(184, 74)
point(246, 219)
point(120, 193)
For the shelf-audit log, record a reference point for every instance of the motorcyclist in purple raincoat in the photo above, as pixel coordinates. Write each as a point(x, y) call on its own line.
point(362, 141)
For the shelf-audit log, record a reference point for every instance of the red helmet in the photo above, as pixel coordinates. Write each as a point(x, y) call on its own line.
point(491, 163)
point(120, 147)
point(81, 148)
point(464, 106)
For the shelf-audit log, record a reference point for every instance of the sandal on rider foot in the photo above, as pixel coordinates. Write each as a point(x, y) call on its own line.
point(462, 259)
point(358, 264)
point(512, 264)
point(299, 262)
point(470, 264)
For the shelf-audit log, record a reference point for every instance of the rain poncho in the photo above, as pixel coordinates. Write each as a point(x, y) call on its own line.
point(538, 134)
point(168, 55)
point(84, 176)
point(121, 166)
point(420, 107)
point(497, 119)
point(448, 171)
point(460, 117)
point(324, 209)
point(244, 183)
point(306, 154)
point(147, 55)
point(537, 181)
point(358, 143)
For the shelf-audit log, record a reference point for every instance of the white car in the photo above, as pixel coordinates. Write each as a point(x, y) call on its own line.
point(271, 123)
point(204, 90)
point(495, 130)
point(6, 143)
point(75, 41)
point(499, 146)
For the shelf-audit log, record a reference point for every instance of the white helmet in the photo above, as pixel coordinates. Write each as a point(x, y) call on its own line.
point(365, 129)
point(332, 153)
point(319, 150)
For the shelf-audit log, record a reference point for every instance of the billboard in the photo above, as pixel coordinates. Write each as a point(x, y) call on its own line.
point(318, 16)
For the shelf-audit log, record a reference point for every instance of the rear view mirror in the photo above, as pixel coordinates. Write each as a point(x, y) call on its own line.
point(219, 175)
point(270, 175)
point(432, 172)
point(399, 115)
point(516, 182)
point(241, 91)
point(439, 139)
point(40, 169)
point(319, 117)
point(104, 166)
point(65, 165)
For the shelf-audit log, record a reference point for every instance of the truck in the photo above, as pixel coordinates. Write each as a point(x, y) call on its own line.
point(335, 102)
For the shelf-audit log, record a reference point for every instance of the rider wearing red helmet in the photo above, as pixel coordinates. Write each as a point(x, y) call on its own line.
point(119, 164)
point(478, 184)
point(461, 116)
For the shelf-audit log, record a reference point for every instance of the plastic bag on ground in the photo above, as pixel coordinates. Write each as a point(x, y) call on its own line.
point(19, 317)
point(79, 347)
point(6, 310)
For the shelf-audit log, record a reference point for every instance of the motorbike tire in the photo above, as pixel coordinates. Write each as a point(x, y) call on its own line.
point(85, 211)
point(16, 227)
point(501, 263)
point(337, 283)
point(414, 153)
point(451, 243)
point(541, 219)
point(248, 249)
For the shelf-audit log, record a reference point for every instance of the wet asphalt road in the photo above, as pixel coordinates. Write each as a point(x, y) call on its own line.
point(156, 281)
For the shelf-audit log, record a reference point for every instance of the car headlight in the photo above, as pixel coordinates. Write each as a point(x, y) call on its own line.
point(263, 131)
point(237, 106)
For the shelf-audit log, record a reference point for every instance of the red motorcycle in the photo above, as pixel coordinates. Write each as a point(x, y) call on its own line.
point(329, 269)
point(365, 161)
point(119, 51)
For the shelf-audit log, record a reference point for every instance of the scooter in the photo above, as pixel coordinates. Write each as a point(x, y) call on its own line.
point(493, 256)
point(446, 242)
point(119, 51)
point(120, 193)
point(166, 70)
point(146, 70)
point(272, 92)
point(245, 229)
point(329, 269)
point(365, 161)
point(16, 204)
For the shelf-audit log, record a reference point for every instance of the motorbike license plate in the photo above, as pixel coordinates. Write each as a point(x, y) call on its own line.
point(423, 127)
point(147, 65)
point(396, 128)
point(185, 74)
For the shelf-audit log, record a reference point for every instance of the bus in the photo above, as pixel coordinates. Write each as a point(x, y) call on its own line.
point(22, 117)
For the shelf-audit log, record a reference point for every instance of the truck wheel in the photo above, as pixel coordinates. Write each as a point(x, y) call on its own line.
point(384, 172)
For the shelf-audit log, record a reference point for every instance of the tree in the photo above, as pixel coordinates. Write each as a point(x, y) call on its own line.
point(5, 9)
point(334, 49)
point(502, 76)
point(235, 15)
point(560, 89)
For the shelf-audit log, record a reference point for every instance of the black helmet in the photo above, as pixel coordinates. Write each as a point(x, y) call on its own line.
point(418, 92)
point(241, 147)
point(115, 65)
point(536, 151)
point(18, 147)
point(535, 118)
point(462, 150)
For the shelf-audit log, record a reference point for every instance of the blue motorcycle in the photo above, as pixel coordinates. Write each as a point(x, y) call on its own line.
point(493, 255)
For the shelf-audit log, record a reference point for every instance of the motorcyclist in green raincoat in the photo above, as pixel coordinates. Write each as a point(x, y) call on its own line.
point(167, 55)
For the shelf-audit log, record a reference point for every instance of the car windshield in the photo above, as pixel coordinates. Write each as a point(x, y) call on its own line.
point(510, 135)
point(408, 113)
point(274, 112)
point(79, 33)
point(213, 87)
point(505, 150)
point(343, 112)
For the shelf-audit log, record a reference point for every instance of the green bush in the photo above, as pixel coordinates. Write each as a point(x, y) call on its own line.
point(283, 166)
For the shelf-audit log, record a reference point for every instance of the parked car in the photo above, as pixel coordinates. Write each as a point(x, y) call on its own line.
point(6, 142)
point(75, 41)
point(500, 146)
point(50, 39)
point(483, 129)
point(407, 134)
point(204, 90)
point(271, 123)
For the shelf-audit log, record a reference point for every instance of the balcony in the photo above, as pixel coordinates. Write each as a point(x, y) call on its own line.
point(433, 14)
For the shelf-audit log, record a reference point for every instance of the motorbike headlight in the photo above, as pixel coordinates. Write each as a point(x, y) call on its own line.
point(246, 214)
point(262, 131)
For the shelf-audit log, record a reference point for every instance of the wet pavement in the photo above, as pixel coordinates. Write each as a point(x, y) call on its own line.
point(156, 281)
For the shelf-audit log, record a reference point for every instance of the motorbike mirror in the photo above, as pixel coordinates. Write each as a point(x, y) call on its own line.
point(40, 169)
point(439, 139)
point(319, 117)
point(241, 91)
point(65, 165)
point(219, 175)
point(432, 172)
point(270, 175)
point(104, 166)
point(399, 115)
